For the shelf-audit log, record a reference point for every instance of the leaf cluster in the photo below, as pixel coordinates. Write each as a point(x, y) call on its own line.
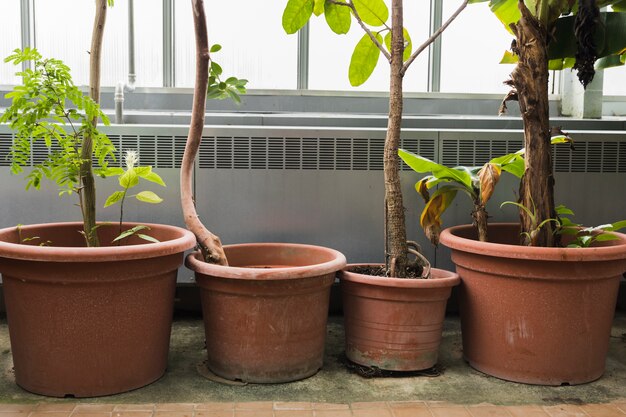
point(220, 89)
point(478, 183)
point(128, 179)
point(584, 237)
point(559, 16)
point(371, 15)
point(48, 108)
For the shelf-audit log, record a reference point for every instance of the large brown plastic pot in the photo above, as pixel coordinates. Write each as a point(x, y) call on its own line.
point(394, 324)
point(265, 314)
point(535, 315)
point(88, 322)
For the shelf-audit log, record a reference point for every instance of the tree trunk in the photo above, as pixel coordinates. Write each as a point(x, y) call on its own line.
point(395, 229)
point(88, 192)
point(210, 244)
point(479, 216)
point(530, 79)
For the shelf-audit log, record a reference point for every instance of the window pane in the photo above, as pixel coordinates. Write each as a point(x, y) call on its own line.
point(255, 46)
point(329, 54)
point(71, 43)
point(472, 47)
point(615, 81)
point(10, 38)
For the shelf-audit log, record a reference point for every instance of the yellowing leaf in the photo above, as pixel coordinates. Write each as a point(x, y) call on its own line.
point(318, 7)
point(422, 188)
point(489, 176)
point(148, 197)
point(430, 220)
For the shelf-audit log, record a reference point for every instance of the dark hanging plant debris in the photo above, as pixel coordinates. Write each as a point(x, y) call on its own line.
point(584, 29)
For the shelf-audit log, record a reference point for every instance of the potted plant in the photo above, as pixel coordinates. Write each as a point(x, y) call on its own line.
point(536, 304)
point(89, 304)
point(391, 321)
point(264, 305)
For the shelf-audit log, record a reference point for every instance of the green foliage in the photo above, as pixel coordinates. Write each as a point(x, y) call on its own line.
point(220, 89)
point(135, 232)
point(478, 183)
point(535, 226)
point(585, 237)
point(129, 178)
point(559, 16)
point(373, 15)
point(48, 108)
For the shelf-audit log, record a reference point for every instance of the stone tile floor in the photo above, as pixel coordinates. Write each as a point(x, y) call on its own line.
point(307, 409)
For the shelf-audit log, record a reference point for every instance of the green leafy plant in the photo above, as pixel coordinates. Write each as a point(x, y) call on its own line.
point(129, 178)
point(384, 34)
point(584, 237)
point(536, 225)
point(48, 109)
point(220, 89)
point(478, 183)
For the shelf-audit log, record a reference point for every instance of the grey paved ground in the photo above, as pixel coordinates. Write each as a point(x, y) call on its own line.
point(457, 384)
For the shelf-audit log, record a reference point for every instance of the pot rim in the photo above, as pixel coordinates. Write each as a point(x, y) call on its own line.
point(441, 278)
point(338, 261)
point(185, 240)
point(450, 239)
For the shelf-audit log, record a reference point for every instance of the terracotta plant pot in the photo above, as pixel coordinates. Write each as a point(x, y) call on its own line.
point(392, 323)
point(87, 322)
point(265, 314)
point(535, 315)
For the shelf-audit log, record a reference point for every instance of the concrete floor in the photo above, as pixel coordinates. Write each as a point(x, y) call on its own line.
point(457, 384)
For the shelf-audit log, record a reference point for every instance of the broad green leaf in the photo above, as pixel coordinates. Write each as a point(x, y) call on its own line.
point(318, 7)
point(509, 58)
point(338, 17)
point(420, 164)
point(148, 197)
point(430, 219)
point(296, 14)
point(216, 47)
point(129, 179)
point(153, 177)
point(610, 61)
point(506, 11)
point(114, 198)
point(364, 60)
point(617, 226)
point(372, 12)
point(605, 237)
point(408, 44)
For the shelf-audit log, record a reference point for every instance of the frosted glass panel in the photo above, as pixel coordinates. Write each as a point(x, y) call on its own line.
point(615, 81)
point(255, 46)
point(71, 42)
point(10, 38)
point(329, 54)
point(472, 47)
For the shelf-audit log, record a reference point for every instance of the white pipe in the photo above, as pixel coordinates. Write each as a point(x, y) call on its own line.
point(128, 87)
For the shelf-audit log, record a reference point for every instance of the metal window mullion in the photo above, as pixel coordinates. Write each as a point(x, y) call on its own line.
point(169, 70)
point(303, 58)
point(27, 16)
point(434, 52)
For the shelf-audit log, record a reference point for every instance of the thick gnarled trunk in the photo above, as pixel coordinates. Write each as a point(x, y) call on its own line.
point(210, 244)
point(395, 230)
point(530, 79)
point(88, 186)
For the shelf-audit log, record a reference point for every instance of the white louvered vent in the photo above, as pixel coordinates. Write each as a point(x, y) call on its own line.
point(475, 153)
point(330, 153)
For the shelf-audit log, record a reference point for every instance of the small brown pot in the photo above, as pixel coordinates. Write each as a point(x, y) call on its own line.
point(394, 324)
point(535, 315)
point(265, 314)
point(87, 322)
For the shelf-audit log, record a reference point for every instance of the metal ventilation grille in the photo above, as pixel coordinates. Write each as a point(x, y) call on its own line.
point(590, 156)
point(308, 153)
point(6, 140)
point(457, 152)
point(423, 147)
